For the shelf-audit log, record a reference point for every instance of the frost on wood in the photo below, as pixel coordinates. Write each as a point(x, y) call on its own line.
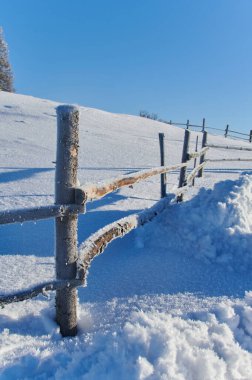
point(38, 213)
point(97, 242)
point(197, 154)
point(66, 228)
point(181, 190)
point(68, 110)
point(36, 290)
point(194, 172)
point(92, 192)
point(67, 153)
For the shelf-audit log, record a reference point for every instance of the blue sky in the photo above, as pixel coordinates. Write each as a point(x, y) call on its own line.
point(182, 59)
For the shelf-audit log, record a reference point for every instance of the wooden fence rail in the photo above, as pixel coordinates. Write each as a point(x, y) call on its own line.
point(72, 264)
point(38, 213)
point(229, 147)
point(198, 154)
point(226, 131)
point(238, 133)
point(189, 181)
point(97, 242)
point(34, 291)
point(94, 192)
point(228, 159)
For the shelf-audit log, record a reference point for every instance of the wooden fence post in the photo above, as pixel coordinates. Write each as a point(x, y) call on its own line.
point(187, 124)
point(195, 160)
point(226, 131)
point(182, 177)
point(250, 136)
point(66, 227)
point(203, 125)
point(162, 162)
point(202, 158)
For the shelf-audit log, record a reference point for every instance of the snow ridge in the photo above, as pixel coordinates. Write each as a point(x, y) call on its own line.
point(216, 224)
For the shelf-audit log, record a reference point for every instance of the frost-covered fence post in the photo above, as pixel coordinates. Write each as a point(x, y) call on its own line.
point(162, 162)
point(66, 227)
point(202, 158)
point(185, 153)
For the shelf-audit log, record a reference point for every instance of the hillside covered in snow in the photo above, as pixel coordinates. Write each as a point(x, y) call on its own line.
point(171, 300)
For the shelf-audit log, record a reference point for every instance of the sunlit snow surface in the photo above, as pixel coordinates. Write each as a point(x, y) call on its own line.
point(171, 300)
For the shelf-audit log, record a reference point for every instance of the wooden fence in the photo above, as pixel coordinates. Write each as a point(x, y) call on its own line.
point(72, 264)
point(227, 132)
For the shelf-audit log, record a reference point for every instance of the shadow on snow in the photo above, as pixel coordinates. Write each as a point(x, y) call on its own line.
point(20, 174)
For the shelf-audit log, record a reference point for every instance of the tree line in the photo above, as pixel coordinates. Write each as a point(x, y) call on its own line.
point(6, 76)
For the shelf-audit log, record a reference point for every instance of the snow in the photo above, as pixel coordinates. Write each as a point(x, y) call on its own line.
point(219, 227)
point(170, 300)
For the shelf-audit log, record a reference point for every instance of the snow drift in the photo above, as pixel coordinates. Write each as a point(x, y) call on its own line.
point(215, 225)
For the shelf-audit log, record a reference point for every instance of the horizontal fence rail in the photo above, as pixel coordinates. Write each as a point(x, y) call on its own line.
point(234, 147)
point(228, 159)
point(94, 192)
point(239, 133)
point(34, 291)
point(215, 129)
point(197, 154)
point(195, 171)
point(38, 213)
point(194, 125)
point(238, 138)
point(173, 123)
point(97, 242)
point(189, 179)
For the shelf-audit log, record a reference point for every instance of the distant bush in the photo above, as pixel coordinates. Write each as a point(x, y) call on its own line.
point(153, 116)
point(148, 115)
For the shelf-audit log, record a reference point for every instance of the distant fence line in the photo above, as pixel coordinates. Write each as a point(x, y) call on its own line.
point(227, 132)
point(70, 200)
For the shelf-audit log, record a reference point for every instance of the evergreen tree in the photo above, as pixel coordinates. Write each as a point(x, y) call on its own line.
point(6, 77)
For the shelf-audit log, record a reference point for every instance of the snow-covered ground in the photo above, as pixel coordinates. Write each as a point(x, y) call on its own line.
point(171, 300)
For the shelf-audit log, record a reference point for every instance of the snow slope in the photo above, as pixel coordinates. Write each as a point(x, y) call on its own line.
point(171, 300)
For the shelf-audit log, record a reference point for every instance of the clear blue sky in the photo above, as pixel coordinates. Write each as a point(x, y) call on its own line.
point(183, 59)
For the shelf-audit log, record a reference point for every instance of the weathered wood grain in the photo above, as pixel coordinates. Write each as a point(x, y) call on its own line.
point(97, 242)
point(36, 290)
point(66, 227)
point(93, 191)
point(38, 213)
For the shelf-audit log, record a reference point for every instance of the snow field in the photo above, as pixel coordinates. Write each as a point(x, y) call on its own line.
point(171, 300)
point(131, 338)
